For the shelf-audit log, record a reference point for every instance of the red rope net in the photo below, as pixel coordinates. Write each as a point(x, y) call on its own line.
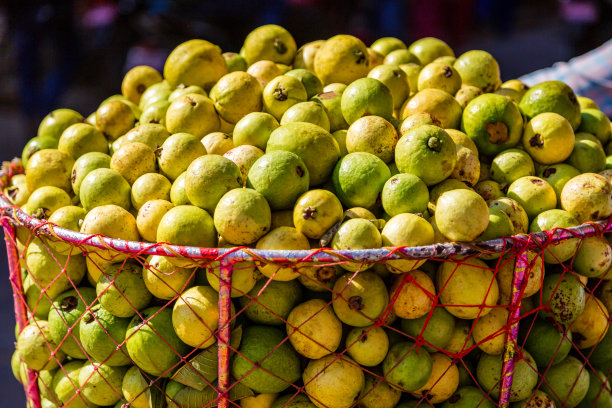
point(523, 322)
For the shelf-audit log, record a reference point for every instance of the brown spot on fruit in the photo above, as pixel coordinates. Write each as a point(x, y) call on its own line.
point(69, 303)
point(595, 215)
point(299, 171)
point(537, 181)
point(360, 57)
point(454, 398)
point(394, 181)
point(448, 72)
point(498, 132)
point(12, 192)
point(325, 274)
point(141, 88)
point(309, 213)
point(536, 141)
point(549, 172)
point(356, 303)
point(88, 318)
point(433, 143)
point(280, 94)
point(279, 46)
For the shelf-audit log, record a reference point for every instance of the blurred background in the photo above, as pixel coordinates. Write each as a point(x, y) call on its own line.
point(73, 54)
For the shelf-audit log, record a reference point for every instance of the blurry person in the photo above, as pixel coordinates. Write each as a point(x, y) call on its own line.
point(588, 75)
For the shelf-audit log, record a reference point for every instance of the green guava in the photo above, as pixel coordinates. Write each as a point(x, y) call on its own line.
point(82, 138)
point(114, 118)
point(194, 62)
point(454, 208)
point(489, 370)
point(235, 95)
point(178, 196)
point(549, 138)
point(333, 381)
point(441, 105)
point(101, 384)
point(533, 194)
point(593, 258)
point(493, 122)
point(242, 216)
point(385, 45)
point(428, 49)
point(469, 397)
point(567, 383)
point(149, 186)
point(65, 315)
point(564, 296)
point(54, 124)
point(36, 349)
point(549, 220)
point(510, 165)
point(315, 212)
point(588, 155)
point(332, 103)
point(45, 200)
point(313, 329)
point(362, 300)
point(377, 393)
point(155, 114)
point(36, 144)
point(281, 93)
point(368, 345)
point(271, 305)
point(551, 96)
point(264, 363)
point(269, 42)
point(177, 152)
point(121, 289)
point(208, 178)
point(546, 343)
point(587, 197)
point(404, 193)
point(342, 58)
point(372, 134)
point(395, 79)
point(84, 165)
point(49, 167)
point(192, 113)
point(312, 84)
point(440, 76)
point(436, 328)
point(356, 233)
point(407, 368)
point(596, 123)
point(104, 186)
point(478, 68)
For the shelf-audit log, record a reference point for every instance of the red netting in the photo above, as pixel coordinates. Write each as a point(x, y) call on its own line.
point(448, 325)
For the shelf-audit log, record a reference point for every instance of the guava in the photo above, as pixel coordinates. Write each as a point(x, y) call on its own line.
point(588, 155)
point(195, 62)
point(333, 381)
point(598, 394)
point(436, 328)
point(235, 62)
point(157, 92)
point(254, 129)
point(469, 397)
point(416, 120)
point(549, 220)
point(454, 207)
point(376, 393)
point(137, 80)
point(132, 160)
point(65, 315)
point(407, 368)
point(372, 134)
point(271, 301)
point(264, 71)
point(567, 383)
point(281, 93)
point(101, 334)
point(84, 165)
point(467, 166)
point(315, 212)
point(178, 196)
point(315, 146)
point(244, 156)
point(557, 175)
point(312, 84)
point(66, 384)
point(413, 293)
point(332, 103)
point(493, 122)
point(518, 216)
point(50, 268)
point(441, 105)
point(361, 300)
point(269, 42)
point(265, 363)
point(587, 197)
point(195, 316)
point(401, 57)
point(356, 233)
point(466, 94)
point(102, 187)
point(244, 275)
point(489, 371)
point(451, 281)
point(82, 138)
point(36, 144)
point(489, 331)
point(440, 76)
point(548, 138)
point(155, 114)
point(187, 225)
point(165, 280)
point(282, 238)
point(564, 297)
point(404, 193)
point(342, 58)
point(510, 165)
point(443, 381)
point(49, 167)
point(366, 96)
point(427, 152)
point(395, 79)
point(114, 118)
point(177, 152)
point(311, 112)
point(596, 123)
point(235, 95)
point(407, 230)
point(478, 68)
point(533, 194)
point(461, 338)
point(547, 343)
point(281, 177)
point(428, 49)
point(36, 349)
point(152, 134)
point(539, 399)
point(101, 384)
point(121, 289)
point(305, 55)
point(385, 45)
point(489, 190)
point(551, 96)
point(586, 103)
point(208, 178)
point(45, 200)
point(499, 226)
point(313, 329)
point(242, 216)
point(368, 345)
point(135, 388)
point(591, 325)
point(194, 114)
point(593, 258)
point(152, 343)
point(54, 124)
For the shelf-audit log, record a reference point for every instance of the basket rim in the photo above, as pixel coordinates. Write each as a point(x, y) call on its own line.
point(517, 243)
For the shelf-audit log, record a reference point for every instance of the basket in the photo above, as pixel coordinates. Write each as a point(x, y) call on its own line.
point(515, 252)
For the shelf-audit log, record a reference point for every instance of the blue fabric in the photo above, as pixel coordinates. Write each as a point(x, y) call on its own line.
point(589, 75)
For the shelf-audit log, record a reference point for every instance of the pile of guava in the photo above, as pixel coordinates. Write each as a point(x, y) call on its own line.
point(333, 145)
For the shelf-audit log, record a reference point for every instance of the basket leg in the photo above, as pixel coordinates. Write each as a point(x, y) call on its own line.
point(520, 272)
point(21, 318)
point(225, 310)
